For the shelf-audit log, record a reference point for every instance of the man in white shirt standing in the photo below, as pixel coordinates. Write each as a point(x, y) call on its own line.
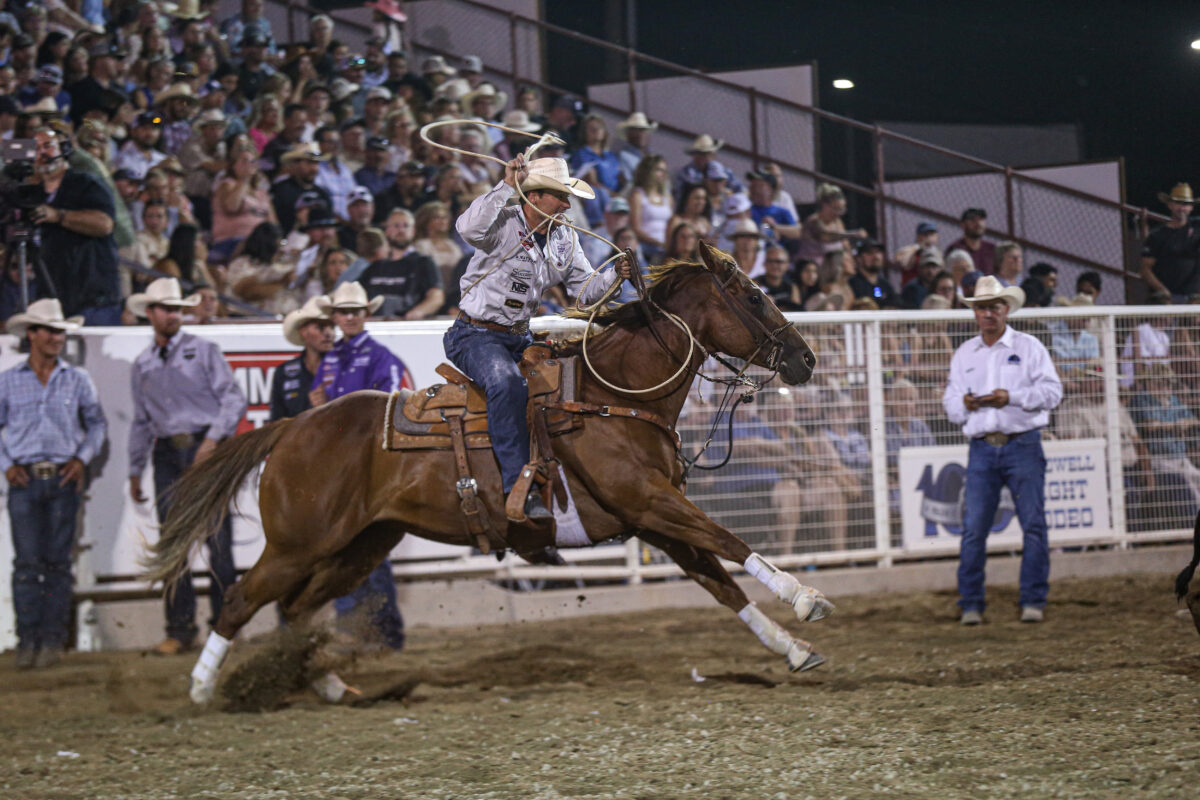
point(1002, 389)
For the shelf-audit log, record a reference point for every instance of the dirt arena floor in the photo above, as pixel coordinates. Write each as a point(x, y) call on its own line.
point(1103, 700)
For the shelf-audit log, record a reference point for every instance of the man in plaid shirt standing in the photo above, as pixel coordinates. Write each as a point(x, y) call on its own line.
point(53, 426)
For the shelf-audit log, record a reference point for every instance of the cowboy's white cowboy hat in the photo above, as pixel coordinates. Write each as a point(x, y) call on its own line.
point(348, 295)
point(47, 313)
point(295, 320)
point(989, 288)
point(519, 119)
point(305, 151)
point(163, 292)
point(553, 175)
point(499, 99)
point(175, 90)
point(639, 121)
point(705, 144)
point(209, 117)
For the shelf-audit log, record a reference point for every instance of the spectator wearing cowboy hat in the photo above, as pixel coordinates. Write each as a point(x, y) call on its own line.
point(355, 363)
point(702, 151)
point(635, 130)
point(1001, 390)
point(301, 164)
point(75, 223)
point(178, 105)
point(374, 174)
point(498, 297)
point(311, 328)
point(747, 247)
point(484, 103)
point(185, 402)
point(139, 155)
point(1171, 254)
point(981, 251)
point(53, 427)
point(513, 143)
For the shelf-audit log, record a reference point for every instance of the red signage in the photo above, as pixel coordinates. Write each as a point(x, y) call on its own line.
point(253, 373)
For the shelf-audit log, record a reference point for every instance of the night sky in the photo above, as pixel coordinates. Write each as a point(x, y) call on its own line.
point(1122, 71)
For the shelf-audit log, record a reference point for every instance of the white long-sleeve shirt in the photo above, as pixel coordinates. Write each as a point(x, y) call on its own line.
point(509, 271)
point(1017, 363)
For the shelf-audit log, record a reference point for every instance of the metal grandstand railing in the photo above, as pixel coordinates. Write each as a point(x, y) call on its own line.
point(1028, 209)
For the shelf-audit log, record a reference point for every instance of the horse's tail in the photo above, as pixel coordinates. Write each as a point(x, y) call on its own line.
point(200, 500)
point(1185, 577)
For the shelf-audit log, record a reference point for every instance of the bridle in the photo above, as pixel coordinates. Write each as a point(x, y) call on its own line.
point(753, 324)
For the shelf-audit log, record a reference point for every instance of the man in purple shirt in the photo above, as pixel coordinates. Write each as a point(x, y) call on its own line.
point(358, 362)
point(982, 252)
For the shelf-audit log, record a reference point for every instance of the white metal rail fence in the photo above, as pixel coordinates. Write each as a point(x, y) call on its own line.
point(814, 480)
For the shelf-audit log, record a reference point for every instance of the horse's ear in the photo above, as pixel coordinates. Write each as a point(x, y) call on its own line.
point(714, 260)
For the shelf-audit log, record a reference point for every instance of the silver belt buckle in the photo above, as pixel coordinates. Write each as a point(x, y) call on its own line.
point(43, 470)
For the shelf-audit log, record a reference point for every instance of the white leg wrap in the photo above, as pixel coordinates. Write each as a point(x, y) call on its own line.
point(204, 674)
point(775, 637)
point(803, 599)
point(330, 687)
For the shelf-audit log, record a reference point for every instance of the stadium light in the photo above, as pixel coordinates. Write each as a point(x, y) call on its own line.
point(846, 83)
point(1196, 44)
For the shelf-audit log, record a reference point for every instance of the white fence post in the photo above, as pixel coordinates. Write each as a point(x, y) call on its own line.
point(1112, 408)
point(633, 560)
point(877, 421)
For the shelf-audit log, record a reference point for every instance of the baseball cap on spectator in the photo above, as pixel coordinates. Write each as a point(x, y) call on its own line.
point(320, 217)
point(865, 244)
point(309, 199)
point(340, 89)
point(304, 151)
point(147, 118)
point(379, 93)
point(411, 168)
point(436, 64)
point(378, 143)
point(926, 227)
point(569, 102)
point(354, 62)
point(23, 40)
point(970, 279)
point(930, 255)
point(763, 175)
point(736, 204)
point(126, 174)
point(472, 65)
point(50, 73)
point(253, 36)
point(101, 49)
point(971, 213)
point(519, 119)
point(389, 8)
point(617, 205)
point(316, 86)
point(359, 194)
point(209, 88)
point(9, 105)
point(715, 171)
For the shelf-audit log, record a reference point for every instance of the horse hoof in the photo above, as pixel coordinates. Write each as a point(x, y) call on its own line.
point(821, 609)
point(813, 661)
point(201, 692)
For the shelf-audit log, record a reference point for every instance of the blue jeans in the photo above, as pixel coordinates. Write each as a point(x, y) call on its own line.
point(1021, 466)
point(490, 359)
point(169, 464)
point(43, 518)
point(378, 594)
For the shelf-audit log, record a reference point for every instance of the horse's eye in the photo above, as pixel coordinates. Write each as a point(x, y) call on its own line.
point(755, 299)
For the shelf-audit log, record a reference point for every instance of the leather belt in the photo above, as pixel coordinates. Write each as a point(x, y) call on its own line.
point(519, 329)
point(183, 442)
point(997, 439)
point(43, 470)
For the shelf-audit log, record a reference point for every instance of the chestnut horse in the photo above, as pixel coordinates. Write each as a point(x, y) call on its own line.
point(334, 502)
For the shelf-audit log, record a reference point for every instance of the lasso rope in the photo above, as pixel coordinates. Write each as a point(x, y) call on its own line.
point(543, 140)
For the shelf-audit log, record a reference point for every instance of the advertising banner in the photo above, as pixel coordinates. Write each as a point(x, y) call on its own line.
point(932, 480)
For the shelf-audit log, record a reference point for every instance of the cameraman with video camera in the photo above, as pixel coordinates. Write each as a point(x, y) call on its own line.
point(78, 253)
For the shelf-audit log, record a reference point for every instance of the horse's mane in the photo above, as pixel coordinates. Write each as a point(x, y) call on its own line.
point(661, 283)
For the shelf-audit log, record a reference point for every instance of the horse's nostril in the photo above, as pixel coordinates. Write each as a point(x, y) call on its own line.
point(810, 360)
